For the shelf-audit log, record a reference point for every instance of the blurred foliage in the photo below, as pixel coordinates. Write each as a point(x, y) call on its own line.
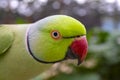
point(75, 76)
point(90, 12)
point(104, 47)
point(103, 59)
point(20, 21)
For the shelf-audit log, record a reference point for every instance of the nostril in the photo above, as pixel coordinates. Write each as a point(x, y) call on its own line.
point(78, 36)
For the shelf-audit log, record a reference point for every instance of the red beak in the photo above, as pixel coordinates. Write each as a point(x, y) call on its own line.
point(78, 49)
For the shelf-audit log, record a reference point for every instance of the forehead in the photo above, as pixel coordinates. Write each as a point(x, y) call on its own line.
point(63, 24)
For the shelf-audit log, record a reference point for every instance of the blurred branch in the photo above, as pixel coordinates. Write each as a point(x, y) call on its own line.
point(54, 71)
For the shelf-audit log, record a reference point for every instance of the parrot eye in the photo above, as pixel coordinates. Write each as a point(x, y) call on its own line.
point(55, 34)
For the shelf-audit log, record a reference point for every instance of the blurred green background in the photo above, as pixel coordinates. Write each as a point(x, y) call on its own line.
point(102, 20)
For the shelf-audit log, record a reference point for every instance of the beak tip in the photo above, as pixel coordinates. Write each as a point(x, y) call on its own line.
point(79, 62)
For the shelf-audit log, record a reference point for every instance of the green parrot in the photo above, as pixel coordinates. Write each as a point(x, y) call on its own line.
point(26, 49)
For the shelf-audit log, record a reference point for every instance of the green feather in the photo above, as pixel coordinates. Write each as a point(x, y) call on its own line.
point(6, 39)
point(15, 61)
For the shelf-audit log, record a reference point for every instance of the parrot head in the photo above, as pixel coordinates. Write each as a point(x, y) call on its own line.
point(56, 38)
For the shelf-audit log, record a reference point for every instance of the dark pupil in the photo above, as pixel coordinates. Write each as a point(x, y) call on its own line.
point(55, 34)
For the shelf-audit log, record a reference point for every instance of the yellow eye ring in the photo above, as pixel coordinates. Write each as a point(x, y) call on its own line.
point(55, 34)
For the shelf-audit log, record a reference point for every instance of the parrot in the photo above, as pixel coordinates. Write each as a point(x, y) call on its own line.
point(28, 49)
